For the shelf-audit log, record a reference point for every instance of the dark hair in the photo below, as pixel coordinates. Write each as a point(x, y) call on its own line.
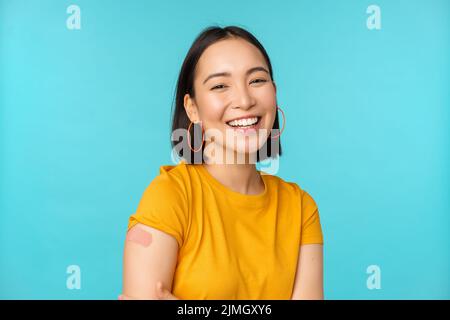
point(185, 84)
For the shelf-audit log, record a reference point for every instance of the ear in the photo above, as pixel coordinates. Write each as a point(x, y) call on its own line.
point(191, 108)
point(275, 87)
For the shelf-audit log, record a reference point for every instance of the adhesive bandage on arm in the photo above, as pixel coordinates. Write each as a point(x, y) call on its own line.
point(138, 235)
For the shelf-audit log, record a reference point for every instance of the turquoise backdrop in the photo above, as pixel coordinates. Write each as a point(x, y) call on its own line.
point(85, 126)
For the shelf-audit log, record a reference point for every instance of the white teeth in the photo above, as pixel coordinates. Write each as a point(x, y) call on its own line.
point(243, 122)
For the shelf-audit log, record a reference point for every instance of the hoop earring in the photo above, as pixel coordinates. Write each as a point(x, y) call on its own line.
point(284, 123)
point(189, 137)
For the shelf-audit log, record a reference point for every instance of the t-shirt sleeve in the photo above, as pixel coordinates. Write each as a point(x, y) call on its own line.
point(163, 206)
point(311, 231)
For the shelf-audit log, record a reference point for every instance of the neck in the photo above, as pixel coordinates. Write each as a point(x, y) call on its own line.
point(242, 178)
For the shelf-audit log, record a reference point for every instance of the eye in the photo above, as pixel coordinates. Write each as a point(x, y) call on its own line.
point(258, 80)
point(219, 86)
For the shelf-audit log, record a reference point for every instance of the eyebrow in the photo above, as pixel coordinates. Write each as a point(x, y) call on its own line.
point(227, 74)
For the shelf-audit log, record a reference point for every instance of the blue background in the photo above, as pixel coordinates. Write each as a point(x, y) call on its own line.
point(85, 126)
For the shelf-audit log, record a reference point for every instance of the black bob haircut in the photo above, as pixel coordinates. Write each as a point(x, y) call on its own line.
point(185, 84)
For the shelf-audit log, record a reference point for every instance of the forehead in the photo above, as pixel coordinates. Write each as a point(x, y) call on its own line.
point(233, 55)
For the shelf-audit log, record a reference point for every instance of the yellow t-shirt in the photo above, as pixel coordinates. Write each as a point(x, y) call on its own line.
point(231, 245)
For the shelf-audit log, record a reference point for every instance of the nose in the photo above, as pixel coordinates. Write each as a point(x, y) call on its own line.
point(243, 99)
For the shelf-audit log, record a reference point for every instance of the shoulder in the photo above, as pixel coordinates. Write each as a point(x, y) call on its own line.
point(171, 178)
point(164, 204)
point(171, 184)
point(289, 187)
point(281, 185)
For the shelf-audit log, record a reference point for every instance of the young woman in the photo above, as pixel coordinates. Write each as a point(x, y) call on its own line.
point(213, 226)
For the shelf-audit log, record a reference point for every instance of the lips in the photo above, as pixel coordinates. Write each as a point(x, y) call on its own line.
point(244, 122)
point(251, 128)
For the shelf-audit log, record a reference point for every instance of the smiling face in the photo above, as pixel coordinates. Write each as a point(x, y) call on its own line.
point(234, 95)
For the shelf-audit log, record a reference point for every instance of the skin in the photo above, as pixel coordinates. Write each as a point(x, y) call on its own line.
point(148, 270)
point(225, 98)
point(308, 283)
point(145, 266)
point(140, 236)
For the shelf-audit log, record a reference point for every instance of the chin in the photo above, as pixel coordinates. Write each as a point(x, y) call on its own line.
point(244, 149)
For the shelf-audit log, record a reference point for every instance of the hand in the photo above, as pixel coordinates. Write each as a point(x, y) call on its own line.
point(161, 294)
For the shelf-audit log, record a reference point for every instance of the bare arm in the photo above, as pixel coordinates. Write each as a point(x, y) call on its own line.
point(150, 256)
point(309, 277)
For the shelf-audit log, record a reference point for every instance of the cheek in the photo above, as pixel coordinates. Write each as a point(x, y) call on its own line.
point(270, 109)
point(267, 98)
point(212, 109)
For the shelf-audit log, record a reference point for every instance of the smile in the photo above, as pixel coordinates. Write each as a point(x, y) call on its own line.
point(244, 123)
